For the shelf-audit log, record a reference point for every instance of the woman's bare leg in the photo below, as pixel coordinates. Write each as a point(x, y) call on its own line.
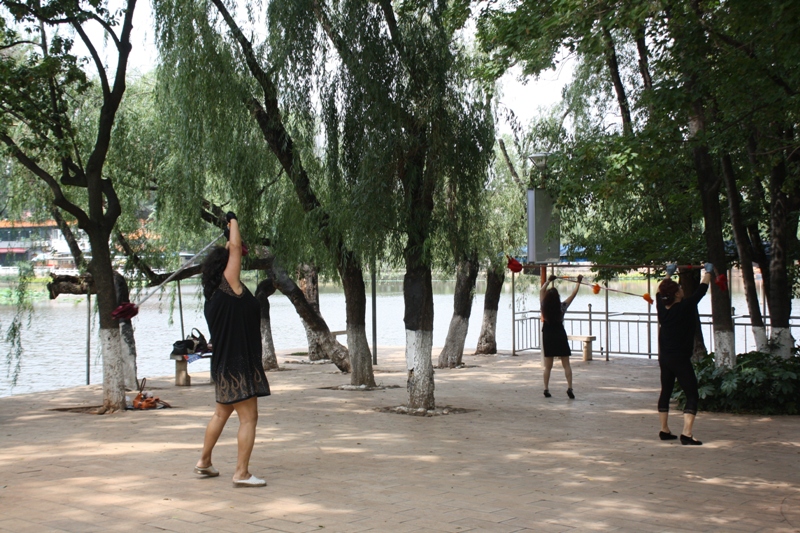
point(247, 411)
point(567, 371)
point(688, 424)
point(548, 366)
point(664, 424)
point(214, 429)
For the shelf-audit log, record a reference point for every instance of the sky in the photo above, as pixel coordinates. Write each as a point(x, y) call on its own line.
point(527, 97)
point(524, 98)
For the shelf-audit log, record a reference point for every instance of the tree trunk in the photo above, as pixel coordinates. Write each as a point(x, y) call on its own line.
point(356, 306)
point(644, 63)
point(759, 255)
point(708, 183)
point(308, 281)
point(330, 346)
point(264, 290)
point(744, 246)
point(780, 291)
point(453, 352)
point(126, 331)
point(110, 339)
point(689, 280)
point(418, 298)
point(616, 79)
point(487, 340)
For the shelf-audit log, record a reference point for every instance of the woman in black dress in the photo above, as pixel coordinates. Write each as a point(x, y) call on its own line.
point(554, 336)
point(677, 316)
point(234, 322)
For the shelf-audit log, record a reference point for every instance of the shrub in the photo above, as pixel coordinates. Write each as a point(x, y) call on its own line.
point(759, 383)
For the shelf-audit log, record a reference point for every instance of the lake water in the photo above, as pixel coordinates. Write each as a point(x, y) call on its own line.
point(54, 342)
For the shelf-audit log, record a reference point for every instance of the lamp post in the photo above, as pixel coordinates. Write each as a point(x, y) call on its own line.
point(539, 160)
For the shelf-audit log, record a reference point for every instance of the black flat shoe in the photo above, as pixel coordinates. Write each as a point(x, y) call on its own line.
point(690, 440)
point(547, 393)
point(666, 436)
point(570, 394)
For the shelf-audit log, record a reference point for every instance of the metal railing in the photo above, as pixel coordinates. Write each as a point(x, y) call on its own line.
point(634, 334)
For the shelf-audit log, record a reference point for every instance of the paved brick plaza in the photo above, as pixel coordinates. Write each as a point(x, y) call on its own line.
point(518, 462)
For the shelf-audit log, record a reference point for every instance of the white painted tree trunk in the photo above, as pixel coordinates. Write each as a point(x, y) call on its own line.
point(724, 349)
point(129, 354)
point(760, 336)
point(453, 350)
point(782, 342)
point(486, 339)
point(113, 370)
point(419, 345)
point(268, 357)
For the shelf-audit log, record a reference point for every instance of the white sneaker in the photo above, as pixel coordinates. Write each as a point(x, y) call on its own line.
point(252, 481)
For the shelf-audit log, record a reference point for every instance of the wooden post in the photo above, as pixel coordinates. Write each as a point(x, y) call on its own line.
point(180, 309)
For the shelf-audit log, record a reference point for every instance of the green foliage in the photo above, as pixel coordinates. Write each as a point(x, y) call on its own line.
point(759, 383)
point(24, 312)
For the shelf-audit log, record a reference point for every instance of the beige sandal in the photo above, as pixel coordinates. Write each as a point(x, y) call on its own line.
point(207, 471)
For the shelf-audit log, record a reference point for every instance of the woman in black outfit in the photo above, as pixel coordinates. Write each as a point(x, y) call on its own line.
point(677, 316)
point(554, 336)
point(234, 321)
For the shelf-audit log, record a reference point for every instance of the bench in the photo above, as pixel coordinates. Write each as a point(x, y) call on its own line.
point(182, 377)
point(587, 344)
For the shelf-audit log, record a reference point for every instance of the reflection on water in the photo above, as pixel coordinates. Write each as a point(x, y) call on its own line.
point(55, 341)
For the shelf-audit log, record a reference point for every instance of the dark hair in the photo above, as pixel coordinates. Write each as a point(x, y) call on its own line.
point(551, 306)
point(213, 266)
point(667, 291)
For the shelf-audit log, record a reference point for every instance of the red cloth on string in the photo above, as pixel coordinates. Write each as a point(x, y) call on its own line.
point(514, 265)
point(722, 282)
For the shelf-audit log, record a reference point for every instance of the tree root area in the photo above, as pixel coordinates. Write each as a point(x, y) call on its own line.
point(86, 409)
point(361, 388)
point(439, 411)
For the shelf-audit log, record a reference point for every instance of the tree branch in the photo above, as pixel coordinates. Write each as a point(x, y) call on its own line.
point(18, 43)
point(72, 242)
point(509, 164)
point(59, 199)
point(98, 63)
point(134, 258)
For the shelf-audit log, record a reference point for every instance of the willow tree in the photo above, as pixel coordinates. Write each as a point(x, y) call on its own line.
point(706, 97)
point(43, 79)
point(243, 131)
point(409, 121)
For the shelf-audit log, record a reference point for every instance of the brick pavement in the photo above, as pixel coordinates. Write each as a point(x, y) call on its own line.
point(518, 462)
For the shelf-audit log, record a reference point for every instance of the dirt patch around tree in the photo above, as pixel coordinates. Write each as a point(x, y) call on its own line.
point(361, 388)
point(439, 411)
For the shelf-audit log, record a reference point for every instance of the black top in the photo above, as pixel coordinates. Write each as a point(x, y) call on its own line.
point(234, 321)
point(678, 323)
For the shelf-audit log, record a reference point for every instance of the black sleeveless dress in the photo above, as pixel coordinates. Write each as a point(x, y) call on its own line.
point(234, 322)
point(554, 337)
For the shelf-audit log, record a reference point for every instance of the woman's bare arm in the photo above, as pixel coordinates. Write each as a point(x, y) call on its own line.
point(234, 266)
point(571, 297)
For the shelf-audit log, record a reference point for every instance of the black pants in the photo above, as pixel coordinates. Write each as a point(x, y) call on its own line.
point(680, 368)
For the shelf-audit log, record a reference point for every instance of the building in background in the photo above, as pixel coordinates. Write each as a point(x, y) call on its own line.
point(39, 242)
